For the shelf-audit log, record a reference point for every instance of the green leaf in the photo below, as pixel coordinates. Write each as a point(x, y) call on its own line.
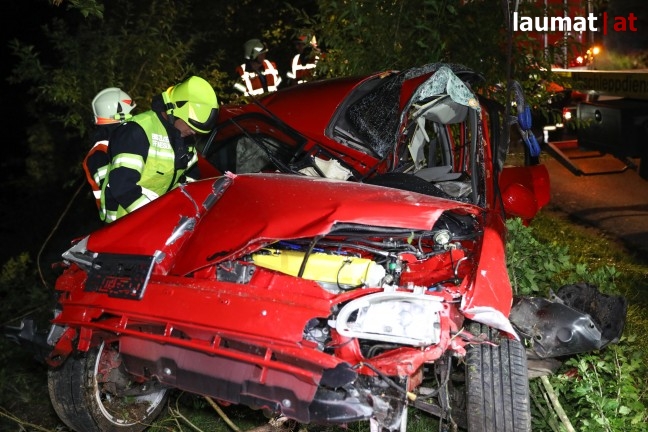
point(624, 410)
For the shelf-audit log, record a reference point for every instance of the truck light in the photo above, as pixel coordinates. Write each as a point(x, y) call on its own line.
point(567, 114)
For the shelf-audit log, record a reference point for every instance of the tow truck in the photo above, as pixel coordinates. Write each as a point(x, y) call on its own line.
point(611, 120)
point(605, 112)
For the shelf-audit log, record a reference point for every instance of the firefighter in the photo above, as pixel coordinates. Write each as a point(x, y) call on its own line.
point(304, 62)
point(257, 75)
point(154, 151)
point(111, 107)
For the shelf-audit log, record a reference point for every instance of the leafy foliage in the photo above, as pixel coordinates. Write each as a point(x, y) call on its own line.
point(604, 391)
point(85, 7)
point(535, 267)
point(370, 36)
point(141, 47)
point(22, 379)
point(532, 266)
point(19, 288)
point(82, 56)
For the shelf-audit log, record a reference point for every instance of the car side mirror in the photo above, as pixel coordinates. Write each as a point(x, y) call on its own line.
point(525, 190)
point(520, 202)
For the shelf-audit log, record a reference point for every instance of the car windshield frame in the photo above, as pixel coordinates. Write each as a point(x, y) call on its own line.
point(268, 141)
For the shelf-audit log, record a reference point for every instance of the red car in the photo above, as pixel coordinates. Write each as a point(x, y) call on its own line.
point(325, 300)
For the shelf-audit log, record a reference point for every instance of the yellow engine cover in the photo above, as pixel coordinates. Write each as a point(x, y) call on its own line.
point(343, 270)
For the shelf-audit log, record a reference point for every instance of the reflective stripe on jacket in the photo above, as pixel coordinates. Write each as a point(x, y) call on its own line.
point(252, 83)
point(158, 169)
point(302, 72)
point(95, 165)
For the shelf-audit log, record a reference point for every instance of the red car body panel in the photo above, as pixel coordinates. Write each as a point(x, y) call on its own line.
point(309, 108)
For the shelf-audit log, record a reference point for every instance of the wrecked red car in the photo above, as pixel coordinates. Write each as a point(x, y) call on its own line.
point(352, 270)
point(321, 300)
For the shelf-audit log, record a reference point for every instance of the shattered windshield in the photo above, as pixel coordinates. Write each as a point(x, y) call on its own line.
point(372, 115)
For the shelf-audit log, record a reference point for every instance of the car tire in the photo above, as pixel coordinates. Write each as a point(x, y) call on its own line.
point(497, 384)
point(82, 404)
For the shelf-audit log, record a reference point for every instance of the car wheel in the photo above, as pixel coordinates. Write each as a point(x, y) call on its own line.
point(80, 391)
point(497, 385)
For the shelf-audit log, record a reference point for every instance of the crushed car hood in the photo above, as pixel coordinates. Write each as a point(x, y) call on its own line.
point(257, 209)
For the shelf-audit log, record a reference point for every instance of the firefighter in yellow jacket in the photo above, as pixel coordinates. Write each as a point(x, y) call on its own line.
point(153, 152)
point(257, 75)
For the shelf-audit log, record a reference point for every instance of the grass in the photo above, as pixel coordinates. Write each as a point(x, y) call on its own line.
point(589, 246)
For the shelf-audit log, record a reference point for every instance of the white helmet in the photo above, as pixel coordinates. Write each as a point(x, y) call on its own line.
point(112, 105)
point(252, 49)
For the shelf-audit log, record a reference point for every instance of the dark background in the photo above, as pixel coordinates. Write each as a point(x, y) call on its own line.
point(28, 217)
point(20, 19)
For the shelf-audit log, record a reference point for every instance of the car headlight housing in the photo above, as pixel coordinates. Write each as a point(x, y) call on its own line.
point(396, 317)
